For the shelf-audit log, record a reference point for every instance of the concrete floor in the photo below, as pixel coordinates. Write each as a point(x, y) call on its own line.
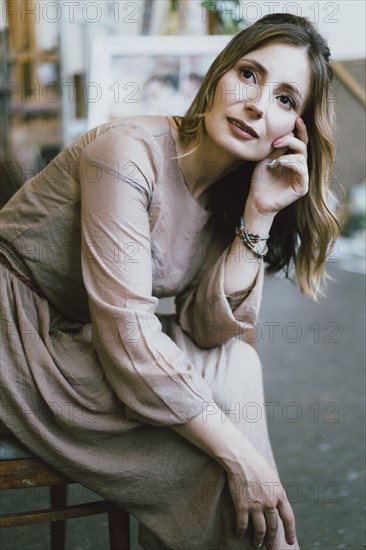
point(313, 358)
point(314, 378)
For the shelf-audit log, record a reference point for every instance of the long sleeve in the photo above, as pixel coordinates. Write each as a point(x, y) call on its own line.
point(207, 314)
point(155, 380)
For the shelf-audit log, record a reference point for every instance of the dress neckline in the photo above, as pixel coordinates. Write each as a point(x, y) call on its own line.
point(179, 171)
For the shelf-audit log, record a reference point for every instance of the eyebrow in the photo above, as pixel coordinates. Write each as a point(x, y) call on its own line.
point(285, 85)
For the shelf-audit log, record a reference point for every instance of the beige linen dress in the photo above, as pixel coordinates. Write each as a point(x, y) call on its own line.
point(91, 377)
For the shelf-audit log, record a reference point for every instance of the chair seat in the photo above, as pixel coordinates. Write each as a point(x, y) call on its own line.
point(10, 446)
point(20, 468)
point(12, 449)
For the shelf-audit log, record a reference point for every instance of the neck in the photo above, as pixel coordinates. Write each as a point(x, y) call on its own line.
point(205, 165)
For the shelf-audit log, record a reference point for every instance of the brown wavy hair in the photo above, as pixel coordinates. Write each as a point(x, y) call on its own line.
point(304, 232)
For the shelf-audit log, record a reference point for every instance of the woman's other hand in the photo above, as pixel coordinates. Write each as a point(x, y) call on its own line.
point(258, 495)
point(282, 177)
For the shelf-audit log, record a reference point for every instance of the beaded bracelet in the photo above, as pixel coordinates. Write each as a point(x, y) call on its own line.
point(250, 240)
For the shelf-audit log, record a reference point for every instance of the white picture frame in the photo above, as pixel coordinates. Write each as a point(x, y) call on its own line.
point(147, 74)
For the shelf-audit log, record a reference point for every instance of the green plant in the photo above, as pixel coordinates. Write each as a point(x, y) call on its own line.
point(229, 14)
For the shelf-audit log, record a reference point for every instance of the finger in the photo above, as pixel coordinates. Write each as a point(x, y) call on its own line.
point(272, 527)
point(274, 156)
point(259, 527)
point(301, 130)
point(296, 163)
point(242, 520)
point(291, 142)
point(288, 520)
point(293, 171)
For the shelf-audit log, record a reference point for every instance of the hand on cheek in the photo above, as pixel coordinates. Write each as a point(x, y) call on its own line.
point(293, 142)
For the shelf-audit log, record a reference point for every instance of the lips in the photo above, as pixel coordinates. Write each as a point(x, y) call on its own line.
point(241, 124)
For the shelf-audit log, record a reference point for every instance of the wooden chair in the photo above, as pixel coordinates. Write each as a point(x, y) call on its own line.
point(20, 469)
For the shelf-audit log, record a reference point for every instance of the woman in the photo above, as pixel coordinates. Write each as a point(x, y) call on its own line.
point(147, 410)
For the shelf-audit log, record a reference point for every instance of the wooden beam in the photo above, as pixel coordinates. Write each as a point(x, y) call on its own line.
point(349, 82)
point(56, 514)
point(33, 472)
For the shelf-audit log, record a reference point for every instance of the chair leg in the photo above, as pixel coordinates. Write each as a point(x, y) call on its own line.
point(58, 497)
point(119, 528)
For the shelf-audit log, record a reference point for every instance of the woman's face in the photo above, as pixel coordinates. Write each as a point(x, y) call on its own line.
point(266, 90)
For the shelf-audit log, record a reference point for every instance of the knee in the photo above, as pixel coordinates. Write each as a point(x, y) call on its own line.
point(243, 357)
point(240, 374)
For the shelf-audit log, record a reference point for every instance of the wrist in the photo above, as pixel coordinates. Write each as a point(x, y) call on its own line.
point(256, 220)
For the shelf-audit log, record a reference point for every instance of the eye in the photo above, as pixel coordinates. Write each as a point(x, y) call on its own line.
point(247, 73)
point(288, 101)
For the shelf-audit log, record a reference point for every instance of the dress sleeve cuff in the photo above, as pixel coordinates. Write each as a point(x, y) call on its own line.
point(243, 302)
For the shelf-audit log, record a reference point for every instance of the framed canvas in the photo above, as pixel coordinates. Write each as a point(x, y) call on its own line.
point(147, 74)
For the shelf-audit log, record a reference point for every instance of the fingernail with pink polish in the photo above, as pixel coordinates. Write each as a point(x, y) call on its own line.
point(277, 141)
point(301, 120)
point(292, 541)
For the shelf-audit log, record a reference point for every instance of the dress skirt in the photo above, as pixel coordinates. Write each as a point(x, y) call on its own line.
point(56, 399)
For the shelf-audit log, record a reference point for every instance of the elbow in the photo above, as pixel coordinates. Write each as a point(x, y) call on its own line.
point(215, 334)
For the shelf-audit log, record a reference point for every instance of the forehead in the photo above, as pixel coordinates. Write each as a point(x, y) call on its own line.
point(284, 63)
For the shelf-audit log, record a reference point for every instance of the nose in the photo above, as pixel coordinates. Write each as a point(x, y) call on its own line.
point(255, 106)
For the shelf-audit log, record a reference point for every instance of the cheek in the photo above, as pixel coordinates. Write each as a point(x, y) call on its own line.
point(281, 123)
point(217, 99)
point(228, 91)
point(216, 104)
